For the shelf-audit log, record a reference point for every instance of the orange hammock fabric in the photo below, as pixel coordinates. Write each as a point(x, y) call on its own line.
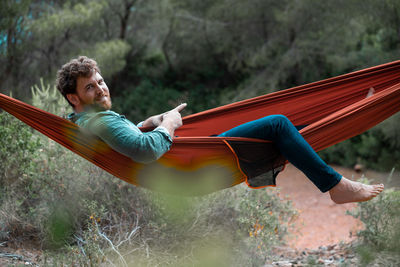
point(332, 110)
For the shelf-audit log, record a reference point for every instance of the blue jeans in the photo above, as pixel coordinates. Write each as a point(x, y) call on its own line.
point(291, 144)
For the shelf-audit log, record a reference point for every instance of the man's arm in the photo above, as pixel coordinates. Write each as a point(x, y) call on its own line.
point(126, 138)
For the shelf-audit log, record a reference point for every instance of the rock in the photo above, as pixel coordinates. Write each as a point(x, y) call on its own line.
point(336, 257)
point(282, 263)
point(331, 247)
point(358, 168)
point(332, 255)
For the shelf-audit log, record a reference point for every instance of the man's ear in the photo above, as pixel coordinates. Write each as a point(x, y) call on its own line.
point(74, 99)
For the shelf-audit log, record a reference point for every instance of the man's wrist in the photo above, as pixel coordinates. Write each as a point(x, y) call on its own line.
point(164, 130)
point(169, 125)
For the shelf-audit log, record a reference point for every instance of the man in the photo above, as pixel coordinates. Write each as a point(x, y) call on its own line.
point(81, 83)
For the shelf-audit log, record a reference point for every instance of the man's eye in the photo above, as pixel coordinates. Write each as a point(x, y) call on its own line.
point(101, 81)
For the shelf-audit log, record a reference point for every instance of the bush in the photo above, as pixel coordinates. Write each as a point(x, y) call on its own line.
point(146, 99)
point(16, 148)
point(235, 227)
point(381, 235)
point(378, 148)
point(18, 154)
point(242, 223)
point(371, 149)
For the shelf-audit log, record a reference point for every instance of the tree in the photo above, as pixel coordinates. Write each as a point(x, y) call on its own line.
point(13, 36)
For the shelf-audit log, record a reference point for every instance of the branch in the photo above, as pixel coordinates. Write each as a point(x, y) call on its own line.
point(80, 242)
point(13, 256)
point(165, 42)
point(112, 245)
point(17, 257)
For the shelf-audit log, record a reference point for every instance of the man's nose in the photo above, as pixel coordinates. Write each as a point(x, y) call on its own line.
point(99, 89)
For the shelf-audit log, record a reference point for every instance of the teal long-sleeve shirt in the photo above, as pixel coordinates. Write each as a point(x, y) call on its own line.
point(124, 136)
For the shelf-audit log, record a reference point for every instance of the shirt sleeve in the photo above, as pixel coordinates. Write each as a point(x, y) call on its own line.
point(126, 138)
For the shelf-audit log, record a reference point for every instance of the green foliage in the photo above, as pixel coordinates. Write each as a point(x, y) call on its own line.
point(381, 220)
point(18, 158)
point(80, 16)
point(391, 131)
point(232, 227)
point(13, 40)
point(146, 99)
point(265, 218)
point(255, 46)
point(16, 149)
point(378, 148)
point(48, 98)
point(110, 56)
point(59, 226)
point(155, 55)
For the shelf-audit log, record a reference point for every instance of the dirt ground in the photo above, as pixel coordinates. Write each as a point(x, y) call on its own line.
point(320, 222)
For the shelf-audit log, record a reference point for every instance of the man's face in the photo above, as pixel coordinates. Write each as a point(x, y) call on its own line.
point(92, 92)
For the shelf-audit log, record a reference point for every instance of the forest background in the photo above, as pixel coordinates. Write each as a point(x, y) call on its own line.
point(155, 54)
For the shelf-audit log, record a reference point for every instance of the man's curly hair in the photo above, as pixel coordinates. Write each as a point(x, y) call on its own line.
point(69, 73)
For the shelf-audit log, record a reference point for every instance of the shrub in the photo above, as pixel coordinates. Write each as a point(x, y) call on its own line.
point(235, 227)
point(382, 232)
point(16, 148)
point(146, 99)
point(378, 148)
point(18, 151)
point(246, 223)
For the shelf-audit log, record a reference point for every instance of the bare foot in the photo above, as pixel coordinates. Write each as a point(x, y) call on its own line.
point(349, 191)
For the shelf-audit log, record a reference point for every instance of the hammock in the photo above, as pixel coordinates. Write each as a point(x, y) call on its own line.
point(331, 110)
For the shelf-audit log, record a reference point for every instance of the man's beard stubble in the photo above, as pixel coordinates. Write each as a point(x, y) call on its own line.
point(104, 105)
point(98, 106)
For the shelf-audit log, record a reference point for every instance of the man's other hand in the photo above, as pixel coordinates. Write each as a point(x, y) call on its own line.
point(172, 119)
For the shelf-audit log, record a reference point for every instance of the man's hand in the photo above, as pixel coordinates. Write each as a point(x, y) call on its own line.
point(172, 119)
point(156, 120)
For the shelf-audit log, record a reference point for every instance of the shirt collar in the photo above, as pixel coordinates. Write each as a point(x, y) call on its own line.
point(75, 116)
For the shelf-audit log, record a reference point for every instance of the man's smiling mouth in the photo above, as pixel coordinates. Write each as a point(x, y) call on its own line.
point(102, 99)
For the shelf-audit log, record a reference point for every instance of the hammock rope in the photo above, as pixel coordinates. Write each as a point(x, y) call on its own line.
point(333, 110)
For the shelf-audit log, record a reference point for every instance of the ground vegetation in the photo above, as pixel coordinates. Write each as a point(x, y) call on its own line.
point(156, 54)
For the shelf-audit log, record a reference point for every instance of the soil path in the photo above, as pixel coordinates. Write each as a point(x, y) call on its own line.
point(320, 221)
